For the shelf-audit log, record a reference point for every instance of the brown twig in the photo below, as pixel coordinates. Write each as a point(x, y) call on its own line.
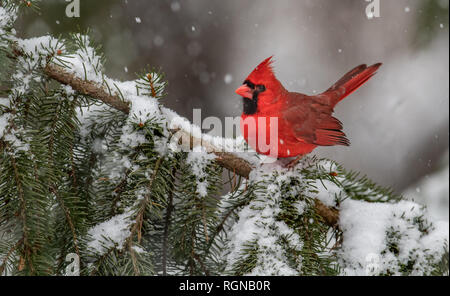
point(329, 215)
point(85, 87)
point(152, 87)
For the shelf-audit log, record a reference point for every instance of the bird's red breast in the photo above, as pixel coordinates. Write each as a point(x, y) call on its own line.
point(280, 123)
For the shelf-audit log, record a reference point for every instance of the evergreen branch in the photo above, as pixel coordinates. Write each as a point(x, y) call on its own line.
point(100, 261)
point(202, 265)
point(68, 218)
point(5, 260)
point(140, 217)
point(22, 215)
point(137, 226)
point(167, 220)
point(242, 202)
point(205, 227)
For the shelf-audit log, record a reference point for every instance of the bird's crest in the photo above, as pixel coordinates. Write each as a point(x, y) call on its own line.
point(263, 72)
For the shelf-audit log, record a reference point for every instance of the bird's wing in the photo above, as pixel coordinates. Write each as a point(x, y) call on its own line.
point(312, 122)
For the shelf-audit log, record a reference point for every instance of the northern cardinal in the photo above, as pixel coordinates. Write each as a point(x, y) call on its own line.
point(303, 122)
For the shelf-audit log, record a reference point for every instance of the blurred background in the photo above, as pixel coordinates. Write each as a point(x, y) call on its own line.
point(398, 122)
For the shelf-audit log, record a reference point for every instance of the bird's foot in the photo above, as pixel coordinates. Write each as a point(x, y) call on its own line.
point(290, 165)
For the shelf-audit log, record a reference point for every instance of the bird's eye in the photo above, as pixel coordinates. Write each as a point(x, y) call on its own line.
point(260, 87)
point(249, 84)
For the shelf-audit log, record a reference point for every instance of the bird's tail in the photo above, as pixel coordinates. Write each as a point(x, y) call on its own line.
point(351, 82)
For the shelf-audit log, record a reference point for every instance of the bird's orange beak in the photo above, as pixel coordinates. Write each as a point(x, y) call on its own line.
point(245, 91)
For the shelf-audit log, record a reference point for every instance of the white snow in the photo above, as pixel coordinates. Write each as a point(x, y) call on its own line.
point(4, 118)
point(87, 116)
point(365, 226)
point(257, 222)
point(36, 45)
point(12, 139)
point(369, 229)
point(327, 192)
point(143, 108)
point(130, 138)
point(109, 233)
point(85, 63)
point(300, 205)
point(36, 49)
point(7, 18)
point(198, 159)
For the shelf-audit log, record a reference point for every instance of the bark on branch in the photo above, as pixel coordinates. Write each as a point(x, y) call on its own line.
point(85, 87)
point(225, 159)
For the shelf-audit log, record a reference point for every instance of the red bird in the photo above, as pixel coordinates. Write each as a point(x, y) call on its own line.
point(300, 122)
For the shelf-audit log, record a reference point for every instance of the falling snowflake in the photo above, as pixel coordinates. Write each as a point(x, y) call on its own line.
point(228, 78)
point(175, 6)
